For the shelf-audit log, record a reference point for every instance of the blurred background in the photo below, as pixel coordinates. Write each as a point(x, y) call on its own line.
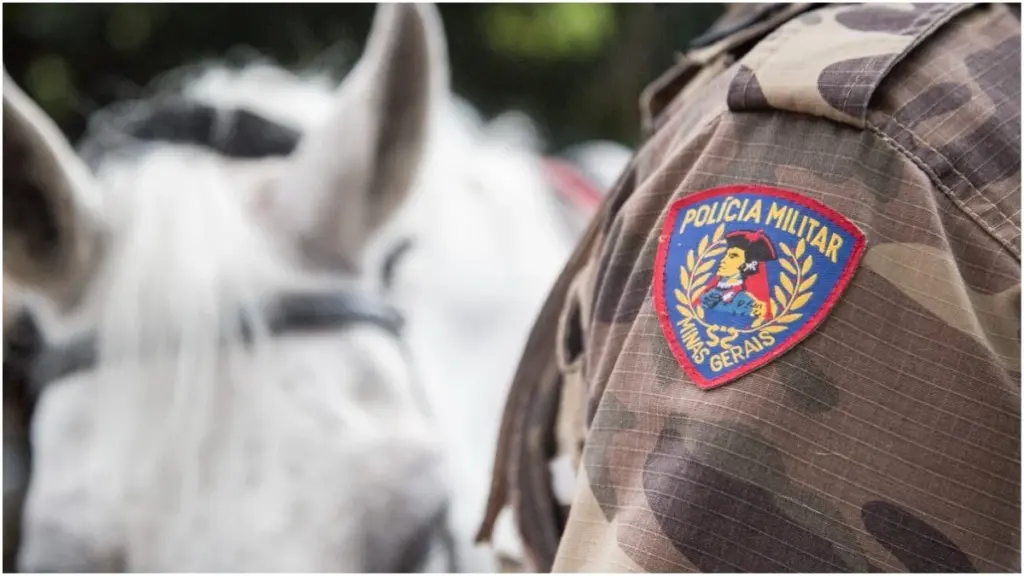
point(577, 69)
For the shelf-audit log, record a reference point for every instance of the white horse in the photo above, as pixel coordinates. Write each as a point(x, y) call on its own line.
point(222, 392)
point(465, 243)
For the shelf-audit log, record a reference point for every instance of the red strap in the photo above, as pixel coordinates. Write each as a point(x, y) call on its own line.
point(573, 185)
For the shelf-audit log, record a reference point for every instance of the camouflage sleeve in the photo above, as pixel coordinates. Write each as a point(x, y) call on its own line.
point(797, 344)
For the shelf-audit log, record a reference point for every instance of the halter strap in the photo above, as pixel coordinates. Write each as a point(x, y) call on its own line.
point(289, 313)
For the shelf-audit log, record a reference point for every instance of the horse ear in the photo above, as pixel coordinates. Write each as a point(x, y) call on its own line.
point(51, 212)
point(350, 175)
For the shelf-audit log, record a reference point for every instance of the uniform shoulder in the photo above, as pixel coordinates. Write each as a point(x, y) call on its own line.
point(830, 62)
point(953, 107)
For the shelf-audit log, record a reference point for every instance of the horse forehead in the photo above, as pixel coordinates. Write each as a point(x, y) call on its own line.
point(360, 367)
point(345, 396)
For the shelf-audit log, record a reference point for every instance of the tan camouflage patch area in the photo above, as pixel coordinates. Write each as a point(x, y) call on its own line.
point(600, 554)
point(929, 276)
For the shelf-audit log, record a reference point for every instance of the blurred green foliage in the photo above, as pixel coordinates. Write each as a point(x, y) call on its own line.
point(549, 31)
point(576, 68)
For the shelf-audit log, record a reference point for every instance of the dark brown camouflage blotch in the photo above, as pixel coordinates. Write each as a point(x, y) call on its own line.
point(625, 288)
point(918, 545)
point(905, 19)
point(842, 84)
point(808, 388)
point(810, 531)
point(746, 92)
point(990, 152)
point(934, 102)
point(724, 524)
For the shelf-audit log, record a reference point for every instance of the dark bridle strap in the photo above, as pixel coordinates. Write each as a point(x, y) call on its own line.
point(287, 314)
point(229, 132)
point(305, 312)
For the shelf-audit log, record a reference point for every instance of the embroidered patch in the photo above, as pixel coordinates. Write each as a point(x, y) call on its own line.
point(744, 273)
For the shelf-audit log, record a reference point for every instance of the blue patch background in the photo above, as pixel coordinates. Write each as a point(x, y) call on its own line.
point(828, 273)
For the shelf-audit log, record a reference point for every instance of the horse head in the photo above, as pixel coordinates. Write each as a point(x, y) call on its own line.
point(217, 388)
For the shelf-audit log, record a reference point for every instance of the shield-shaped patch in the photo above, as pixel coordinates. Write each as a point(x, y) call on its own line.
point(744, 273)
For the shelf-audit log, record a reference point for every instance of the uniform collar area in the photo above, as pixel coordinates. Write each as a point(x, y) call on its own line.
point(741, 26)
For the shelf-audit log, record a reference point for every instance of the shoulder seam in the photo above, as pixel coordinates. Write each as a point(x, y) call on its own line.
point(937, 182)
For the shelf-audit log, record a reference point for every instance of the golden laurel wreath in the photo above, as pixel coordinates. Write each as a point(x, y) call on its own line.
point(790, 294)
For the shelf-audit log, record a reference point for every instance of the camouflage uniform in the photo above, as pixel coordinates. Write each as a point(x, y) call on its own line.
point(889, 438)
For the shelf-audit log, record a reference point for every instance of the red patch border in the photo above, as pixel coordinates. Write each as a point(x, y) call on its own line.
point(668, 228)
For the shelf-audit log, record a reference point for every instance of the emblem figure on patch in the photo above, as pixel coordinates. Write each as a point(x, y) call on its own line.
point(744, 273)
point(738, 294)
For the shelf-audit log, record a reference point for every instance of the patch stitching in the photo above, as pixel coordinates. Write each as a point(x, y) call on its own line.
point(780, 347)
